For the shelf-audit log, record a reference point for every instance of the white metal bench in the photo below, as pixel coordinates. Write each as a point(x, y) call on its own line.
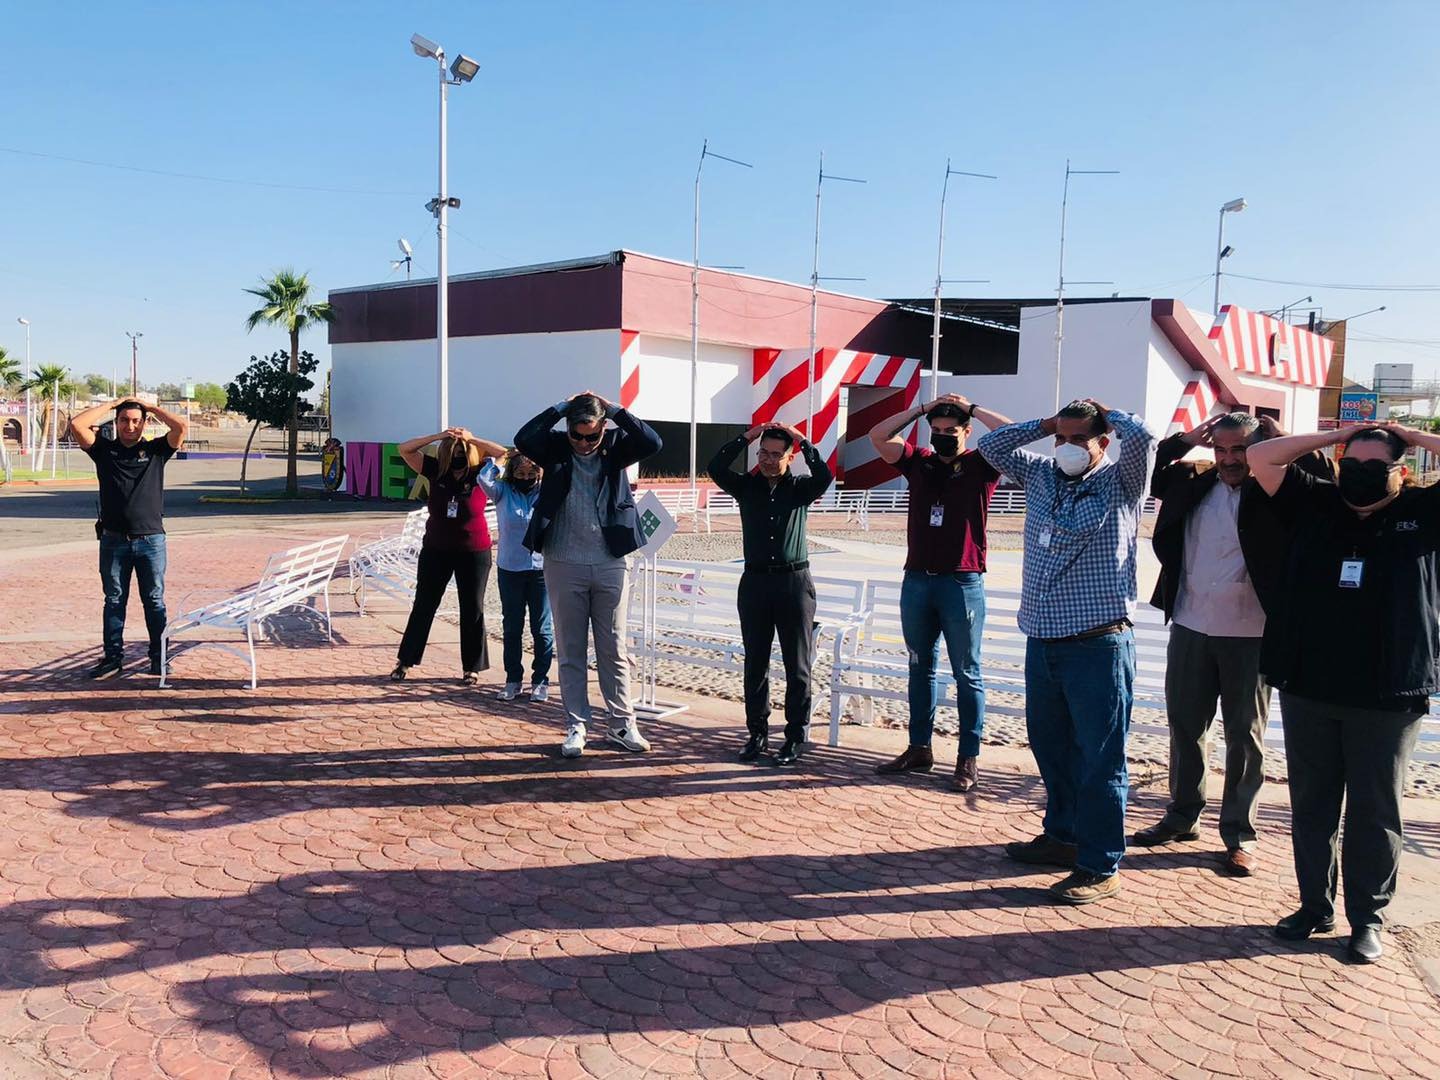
point(719, 504)
point(291, 578)
point(390, 564)
point(697, 621)
point(681, 502)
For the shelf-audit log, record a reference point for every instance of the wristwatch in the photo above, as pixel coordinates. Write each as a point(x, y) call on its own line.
point(973, 407)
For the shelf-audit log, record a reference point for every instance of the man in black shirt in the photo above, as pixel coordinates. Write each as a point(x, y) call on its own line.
point(1354, 648)
point(131, 471)
point(776, 594)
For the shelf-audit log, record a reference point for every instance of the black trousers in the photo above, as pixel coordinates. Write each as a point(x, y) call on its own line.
point(780, 605)
point(471, 570)
point(1360, 755)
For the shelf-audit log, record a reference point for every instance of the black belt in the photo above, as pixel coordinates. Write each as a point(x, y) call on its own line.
point(778, 568)
point(128, 536)
point(1100, 631)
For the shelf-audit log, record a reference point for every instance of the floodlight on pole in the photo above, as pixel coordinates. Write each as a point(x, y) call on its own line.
point(1060, 284)
point(939, 274)
point(462, 71)
point(705, 152)
point(1295, 303)
point(29, 449)
point(1234, 206)
point(813, 361)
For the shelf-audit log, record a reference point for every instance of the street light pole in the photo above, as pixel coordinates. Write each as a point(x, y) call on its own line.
point(461, 71)
point(813, 361)
point(705, 152)
point(939, 276)
point(1060, 284)
point(134, 336)
point(1234, 206)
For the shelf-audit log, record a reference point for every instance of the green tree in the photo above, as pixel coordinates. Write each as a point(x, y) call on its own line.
point(9, 371)
point(95, 383)
point(286, 297)
point(268, 392)
point(169, 391)
point(210, 395)
point(49, 382)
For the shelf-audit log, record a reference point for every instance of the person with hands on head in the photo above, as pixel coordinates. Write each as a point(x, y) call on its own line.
point(585, 523)
point(130, 470)
point(1082, 517)
point(1220, 546)
point(1354, 649)
point(776, 595)
point(514, 489)
point(456, 544)
point(943, 590)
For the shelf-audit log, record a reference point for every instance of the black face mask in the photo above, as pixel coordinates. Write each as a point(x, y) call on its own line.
point(1364, 483)
point(944, 444)
point(522, 485)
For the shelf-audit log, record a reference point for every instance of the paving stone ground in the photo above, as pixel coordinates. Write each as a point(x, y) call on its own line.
point(338, 876)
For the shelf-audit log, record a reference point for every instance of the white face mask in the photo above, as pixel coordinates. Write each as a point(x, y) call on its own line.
point(1073, 460)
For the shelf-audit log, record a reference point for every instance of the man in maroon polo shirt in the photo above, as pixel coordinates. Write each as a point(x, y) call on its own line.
point(944, 587)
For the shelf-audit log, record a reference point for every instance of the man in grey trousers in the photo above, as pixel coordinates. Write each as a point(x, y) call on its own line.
point(585, 523)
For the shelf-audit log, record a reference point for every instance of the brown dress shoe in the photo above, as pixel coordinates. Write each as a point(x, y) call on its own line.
point(1239, 862)
point(967, 774)
point(914, 759)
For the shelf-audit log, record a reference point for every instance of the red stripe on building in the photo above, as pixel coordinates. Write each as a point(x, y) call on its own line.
point(627, 338)
point(631, 390)
point(764, 361)
point(791, 385)
point(889, 371)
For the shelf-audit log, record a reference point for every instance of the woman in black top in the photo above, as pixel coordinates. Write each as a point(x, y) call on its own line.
point(1354, 648)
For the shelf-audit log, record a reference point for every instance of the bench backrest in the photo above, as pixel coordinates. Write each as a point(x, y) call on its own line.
point(296, 573)
point(704, 595)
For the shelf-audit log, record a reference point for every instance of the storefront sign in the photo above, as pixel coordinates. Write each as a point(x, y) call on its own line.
point(376, 471)
point(1358, 408)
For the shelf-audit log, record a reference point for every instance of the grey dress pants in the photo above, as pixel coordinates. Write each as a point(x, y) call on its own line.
point(588, 599)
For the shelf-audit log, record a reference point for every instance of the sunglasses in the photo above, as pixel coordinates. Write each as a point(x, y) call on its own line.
point(577, 437)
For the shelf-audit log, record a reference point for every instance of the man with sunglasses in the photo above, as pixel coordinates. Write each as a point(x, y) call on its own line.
point(585, 523)
point(776, 596)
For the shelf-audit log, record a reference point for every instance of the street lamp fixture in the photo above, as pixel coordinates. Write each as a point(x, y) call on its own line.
point(1234, 206)
point(461, 71)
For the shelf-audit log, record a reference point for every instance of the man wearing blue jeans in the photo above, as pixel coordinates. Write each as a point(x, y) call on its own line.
point(131, 472)
point(1082, 514)
point(943, 594)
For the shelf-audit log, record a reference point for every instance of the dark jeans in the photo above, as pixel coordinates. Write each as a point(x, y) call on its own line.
point(778, 605)
point(1078, 698)
point(145, 556)
point(952, 605)
point(1198, 669)
point(522, 591)
point(470, 569)
point(1336, 752)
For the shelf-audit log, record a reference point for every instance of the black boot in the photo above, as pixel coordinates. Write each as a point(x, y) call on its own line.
point(755, 747)
point(790, 751)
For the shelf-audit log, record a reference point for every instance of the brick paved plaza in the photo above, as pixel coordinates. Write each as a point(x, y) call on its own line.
point(334, 875)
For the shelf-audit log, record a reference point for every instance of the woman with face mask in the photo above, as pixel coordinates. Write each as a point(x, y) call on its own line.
point(456, 545)
point(1354, 649)
point(515, 489)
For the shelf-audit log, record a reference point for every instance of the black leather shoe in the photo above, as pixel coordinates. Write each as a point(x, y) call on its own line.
point(755, 746)
point(1365, 947)
point(1302, 924)
point(790, 751)
point(1163, 833)
point(107, 668)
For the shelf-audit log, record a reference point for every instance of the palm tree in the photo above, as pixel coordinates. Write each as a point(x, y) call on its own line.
point(51, 382)
point(9, 371)
point(287, 303)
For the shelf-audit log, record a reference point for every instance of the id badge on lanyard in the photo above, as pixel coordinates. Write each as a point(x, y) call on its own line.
point(452, 508)
point(937, 515)
point(1352, 572)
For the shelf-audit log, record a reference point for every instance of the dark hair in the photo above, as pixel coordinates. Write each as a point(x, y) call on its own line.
point(1083, 410)
point(780, 434)
point(584, 409)
point(1242, 422)
point(511, 460)
point(947, 409)
point(1394, 442)
point(127, 405)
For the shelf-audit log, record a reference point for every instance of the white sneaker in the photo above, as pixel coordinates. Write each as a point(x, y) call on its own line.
point(540, 692)
point(629, 737)
point(574, 744)
point(510, 692)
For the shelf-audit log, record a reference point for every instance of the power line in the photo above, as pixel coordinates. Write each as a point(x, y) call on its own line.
point(1332, 285)
point(200, 176)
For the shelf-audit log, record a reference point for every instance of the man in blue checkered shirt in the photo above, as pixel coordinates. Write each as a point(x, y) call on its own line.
point(1082, 513)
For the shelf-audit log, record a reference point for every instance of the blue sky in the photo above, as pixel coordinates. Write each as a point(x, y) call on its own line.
point(581, 134)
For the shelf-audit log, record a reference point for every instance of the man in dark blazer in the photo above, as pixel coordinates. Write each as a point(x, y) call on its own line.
point(1221, 549)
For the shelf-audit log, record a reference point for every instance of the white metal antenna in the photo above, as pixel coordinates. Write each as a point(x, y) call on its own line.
point(939, 275)
point(705, 152)
point(1060, 289)
point(813, 362)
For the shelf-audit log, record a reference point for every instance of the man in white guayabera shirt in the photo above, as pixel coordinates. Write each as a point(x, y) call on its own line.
point(1221, 548)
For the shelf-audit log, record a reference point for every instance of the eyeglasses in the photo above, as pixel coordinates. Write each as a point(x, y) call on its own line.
point(771, 455)
point(593, 438)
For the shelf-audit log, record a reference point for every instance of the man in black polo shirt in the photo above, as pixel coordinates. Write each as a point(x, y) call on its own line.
point(131, 471)
point(776, 593)
point(943, 592)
